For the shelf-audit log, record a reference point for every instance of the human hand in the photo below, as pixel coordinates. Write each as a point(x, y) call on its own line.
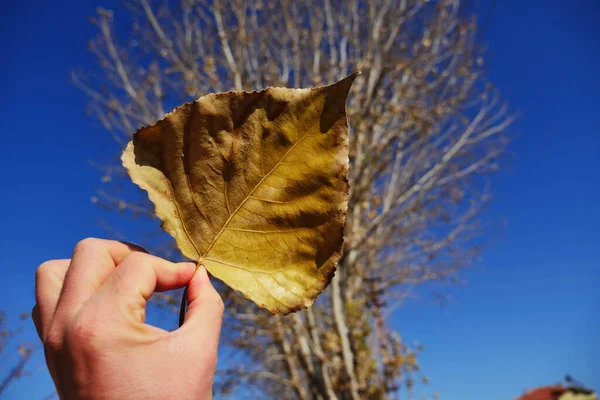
point(90, 316)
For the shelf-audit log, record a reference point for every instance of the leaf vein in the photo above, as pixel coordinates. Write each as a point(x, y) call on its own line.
point(271, 231)
point(248, 269)
point(212, 243)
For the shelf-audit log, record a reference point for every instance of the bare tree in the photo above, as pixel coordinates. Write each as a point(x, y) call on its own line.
point(426, 129)
point(16, 368)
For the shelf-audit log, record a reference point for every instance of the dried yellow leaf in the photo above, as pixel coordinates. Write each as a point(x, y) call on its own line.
point(253, 185)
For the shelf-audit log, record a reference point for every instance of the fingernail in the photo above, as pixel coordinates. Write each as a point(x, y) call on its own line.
point(202, 272)
point(134, 247)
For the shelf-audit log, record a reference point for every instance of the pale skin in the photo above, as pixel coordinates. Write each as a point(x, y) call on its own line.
point(90, 316)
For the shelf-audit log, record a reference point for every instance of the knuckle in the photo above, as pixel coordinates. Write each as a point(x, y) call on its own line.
point(217, 302)
point(44, 271)
point(83, 331)
point(181, 274)
point(54, 338)
point(137, 257)
point(211, 360)
point(86, 243)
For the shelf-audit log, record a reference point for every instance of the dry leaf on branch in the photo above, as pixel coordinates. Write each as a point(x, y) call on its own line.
point(253, 186)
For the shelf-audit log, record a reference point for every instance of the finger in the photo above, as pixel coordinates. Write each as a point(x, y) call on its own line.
point(92, 262)
point(49, 280)
point(37, 320)
point(137, 277)
point(205, 311)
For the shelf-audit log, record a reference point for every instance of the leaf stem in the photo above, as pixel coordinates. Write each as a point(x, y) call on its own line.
point(183, 307)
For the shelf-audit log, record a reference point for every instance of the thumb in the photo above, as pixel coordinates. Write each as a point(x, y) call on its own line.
point(204, 315)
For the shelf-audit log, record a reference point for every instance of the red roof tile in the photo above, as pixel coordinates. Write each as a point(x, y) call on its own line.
point(544, 393)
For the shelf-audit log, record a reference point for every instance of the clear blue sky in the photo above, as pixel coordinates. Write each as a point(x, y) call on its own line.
point(530, 310)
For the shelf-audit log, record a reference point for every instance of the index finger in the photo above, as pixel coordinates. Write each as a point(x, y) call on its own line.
point(92, 262)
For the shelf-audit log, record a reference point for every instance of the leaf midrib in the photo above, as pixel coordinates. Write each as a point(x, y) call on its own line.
point(234, 213)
